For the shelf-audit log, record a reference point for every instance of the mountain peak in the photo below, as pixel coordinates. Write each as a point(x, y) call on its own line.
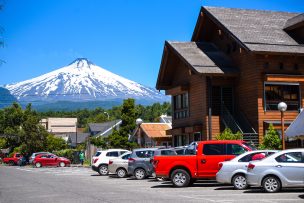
point(81, 62)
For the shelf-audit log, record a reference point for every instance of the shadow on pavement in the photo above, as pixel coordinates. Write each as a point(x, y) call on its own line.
point(169, 185)
point(95, 175)
point(289, 190)
point(301, 196)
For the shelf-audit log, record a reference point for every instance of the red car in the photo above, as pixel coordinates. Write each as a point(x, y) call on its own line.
point(203, 164)
point(50, 160)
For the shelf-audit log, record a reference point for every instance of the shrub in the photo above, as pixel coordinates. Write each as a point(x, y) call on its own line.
point(227, 134)
point(271, 139)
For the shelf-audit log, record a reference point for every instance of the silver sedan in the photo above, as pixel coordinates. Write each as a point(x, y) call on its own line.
point(119, 165)
point(233, 171)
point(283, 169)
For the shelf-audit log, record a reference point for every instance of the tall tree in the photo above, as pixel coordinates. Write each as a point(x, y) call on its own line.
point(128, 117)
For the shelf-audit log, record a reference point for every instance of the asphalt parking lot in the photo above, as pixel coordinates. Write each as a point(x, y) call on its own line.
point(72, 184)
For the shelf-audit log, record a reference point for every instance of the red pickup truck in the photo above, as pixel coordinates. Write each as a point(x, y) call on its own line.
point(12, 160)
point(184, 170)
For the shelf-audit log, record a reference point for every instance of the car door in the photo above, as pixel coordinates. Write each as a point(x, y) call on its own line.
point(124, 161)
point(290, 166)
point(51, 160)
point(211, 155)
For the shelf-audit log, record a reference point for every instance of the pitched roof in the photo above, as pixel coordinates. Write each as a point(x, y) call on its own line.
point(81, 137)
point(258, 30)
point(204, 57)
point(101, 127)
point(155, 130)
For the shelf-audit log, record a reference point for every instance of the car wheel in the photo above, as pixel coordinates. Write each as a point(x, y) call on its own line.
point(11, 163)
point(121, 173)
point(62, 164)
point(140, 174)
point(38, 165)
point(271, 184)
point(239, 182)
point(103, 170)
point(180, 178)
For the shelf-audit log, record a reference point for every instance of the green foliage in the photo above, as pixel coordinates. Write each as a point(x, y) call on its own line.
point(3, 143)
point(55, 143)
point(271, 139)
point(67, 153)
point(128, 117)
point(22, 129)
point(99, 142)
point(81, 147)
point(227, 134)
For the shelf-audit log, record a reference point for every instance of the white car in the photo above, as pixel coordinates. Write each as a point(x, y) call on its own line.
point(283, 169)
point(101, 159)
point(119, 165)
point(233, 171)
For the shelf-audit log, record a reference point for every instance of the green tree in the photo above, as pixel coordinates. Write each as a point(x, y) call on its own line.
point(99, 142)
point(227, 134)
point(3, 143)
point(54, 143)
point(128, 117)
point(271, 140)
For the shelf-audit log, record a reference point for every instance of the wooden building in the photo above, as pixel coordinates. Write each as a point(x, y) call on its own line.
point(238, 66)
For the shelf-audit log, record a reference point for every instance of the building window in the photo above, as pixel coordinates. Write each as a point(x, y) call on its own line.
point(276, 93)
point(181, 106)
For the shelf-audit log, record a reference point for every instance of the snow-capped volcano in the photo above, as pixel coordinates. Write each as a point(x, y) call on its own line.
point(81, 81)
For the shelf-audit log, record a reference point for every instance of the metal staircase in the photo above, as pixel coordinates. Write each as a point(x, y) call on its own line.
point(241, 124)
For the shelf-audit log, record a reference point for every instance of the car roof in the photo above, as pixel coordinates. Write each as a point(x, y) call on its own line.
point(109, 150)
point(145, 149)
point(283, 152)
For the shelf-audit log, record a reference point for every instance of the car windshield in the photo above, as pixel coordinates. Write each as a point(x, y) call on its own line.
point(97, 153)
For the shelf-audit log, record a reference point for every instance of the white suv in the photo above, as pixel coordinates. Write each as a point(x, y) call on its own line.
point(101, 159)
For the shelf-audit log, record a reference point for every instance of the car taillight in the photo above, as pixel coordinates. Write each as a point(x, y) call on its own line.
point(220, 165)
point(131, 160)
point(110, 162)
point(95, 160)
point(250, 166)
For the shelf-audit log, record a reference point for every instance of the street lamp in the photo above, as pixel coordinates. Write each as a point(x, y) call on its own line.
point(282, 106)
point(138, 122)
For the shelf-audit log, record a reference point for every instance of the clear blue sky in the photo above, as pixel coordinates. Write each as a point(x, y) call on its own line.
point(123, 36)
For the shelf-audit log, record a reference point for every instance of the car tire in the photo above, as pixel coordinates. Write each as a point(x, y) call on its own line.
point(61, 164)
point(140, 174)
point(103, 170)
point(271, 184)
point(239, 182)
point(11, 163)
point(121, 173)
point(38, 165)
point(180, 178)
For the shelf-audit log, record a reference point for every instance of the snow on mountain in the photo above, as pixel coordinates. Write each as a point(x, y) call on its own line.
point(82, 81)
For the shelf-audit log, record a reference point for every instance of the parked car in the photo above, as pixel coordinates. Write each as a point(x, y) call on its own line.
point(165, 151)
point(119, 165)
point(282, 169)
point(233, 172)
point(203, 164)
point(32, 157)
point(101, 159)
point(139, 164)
point(50, 160)
point(14, 160)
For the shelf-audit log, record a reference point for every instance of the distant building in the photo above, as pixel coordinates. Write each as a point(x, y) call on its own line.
point(60, 126)
point(79, 138)
point(152, 135)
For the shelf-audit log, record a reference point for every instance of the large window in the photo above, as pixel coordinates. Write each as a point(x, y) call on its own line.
point(181, 106)
point(276, 93)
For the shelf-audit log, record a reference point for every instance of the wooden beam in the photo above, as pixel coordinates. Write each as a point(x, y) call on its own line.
point(284, 78)
point(177, 90)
